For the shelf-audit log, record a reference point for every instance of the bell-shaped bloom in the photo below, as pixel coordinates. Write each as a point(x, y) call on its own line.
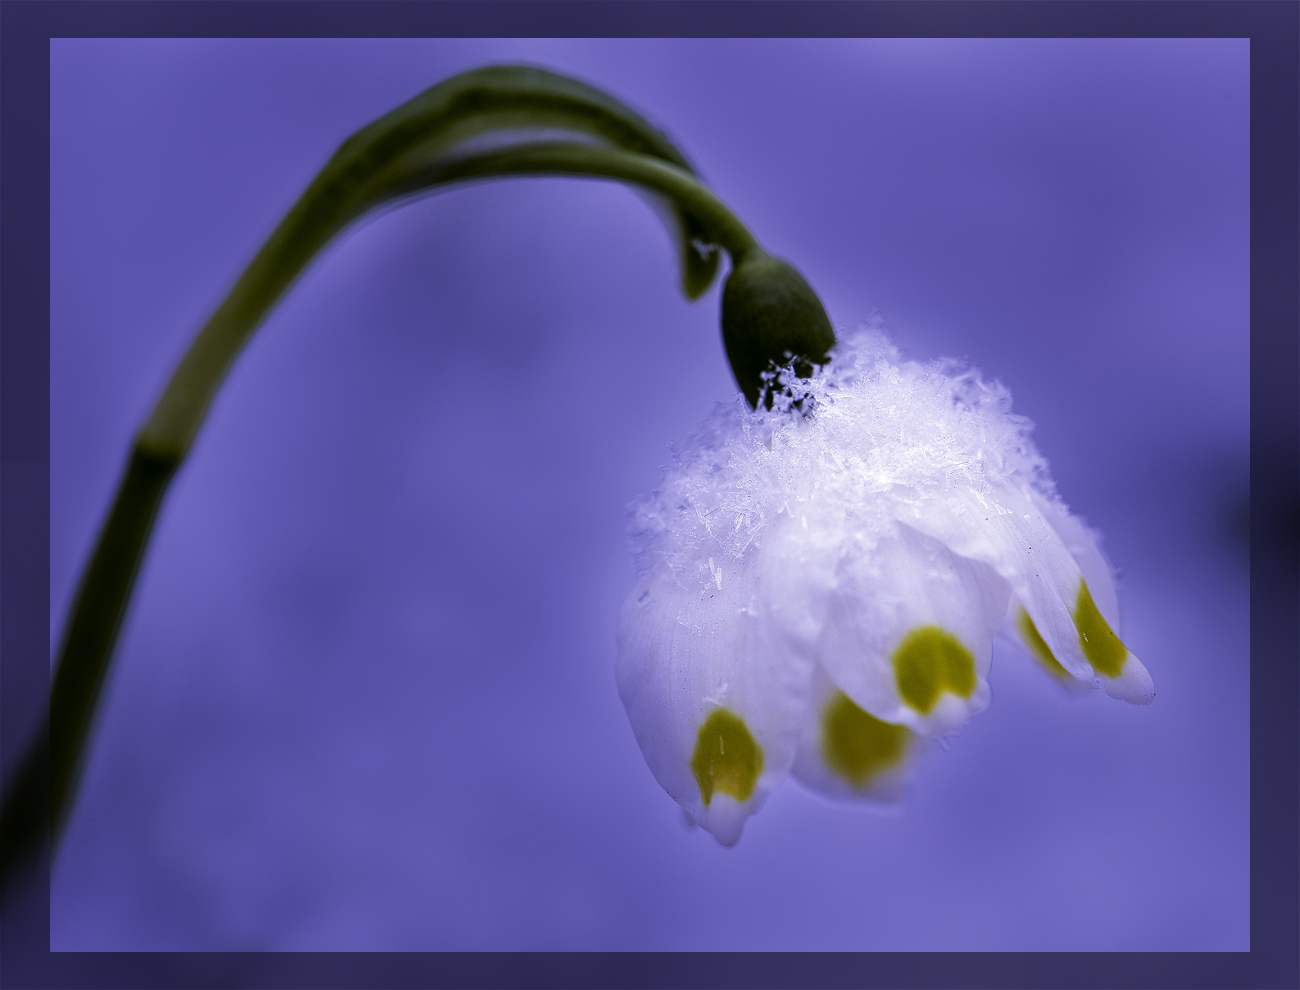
point(820, 585)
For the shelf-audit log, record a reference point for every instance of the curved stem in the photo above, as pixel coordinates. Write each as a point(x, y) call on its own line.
point(102, 598)
point(724, 227)
point(322, 212)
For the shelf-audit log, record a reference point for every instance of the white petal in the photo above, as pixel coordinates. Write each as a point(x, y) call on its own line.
point(845, 752)
point(801, 562)
point(1096, 570)
point(1019, 628)
point(716, 701)
point(1082, 544)
point(1003, 527)
point(910, 630)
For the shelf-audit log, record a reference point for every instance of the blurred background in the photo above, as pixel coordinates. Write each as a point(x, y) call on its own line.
point(365, 699)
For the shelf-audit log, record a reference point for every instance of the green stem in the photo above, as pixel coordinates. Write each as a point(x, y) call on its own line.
point(326, 207)
point(323, 211)
point(98, 613)
point(593, 161)
point(40, 796)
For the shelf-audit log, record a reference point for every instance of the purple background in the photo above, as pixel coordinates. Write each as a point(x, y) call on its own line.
point(365, 695)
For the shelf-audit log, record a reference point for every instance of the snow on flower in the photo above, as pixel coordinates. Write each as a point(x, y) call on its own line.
point(820, 584)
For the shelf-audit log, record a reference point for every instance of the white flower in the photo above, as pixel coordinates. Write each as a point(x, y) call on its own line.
point(820, 585)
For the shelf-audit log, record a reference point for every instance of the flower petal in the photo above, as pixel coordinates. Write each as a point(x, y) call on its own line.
point(1082, 544)
point(1097, 573)
point(846, 752)
point(909, 632)
point(1012, 531)
point(716, 703)
point(1020, 628)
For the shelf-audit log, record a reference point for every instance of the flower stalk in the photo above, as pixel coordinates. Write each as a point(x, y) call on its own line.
point(494, 122)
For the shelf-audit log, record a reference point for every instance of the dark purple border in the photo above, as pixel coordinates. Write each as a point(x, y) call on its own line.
point(1273, 27)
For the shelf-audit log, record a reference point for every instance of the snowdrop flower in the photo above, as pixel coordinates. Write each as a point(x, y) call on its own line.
point(820, 578)
point(820, 584)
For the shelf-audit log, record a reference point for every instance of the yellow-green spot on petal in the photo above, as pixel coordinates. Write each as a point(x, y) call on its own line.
point(856, 744)
point(726, 758)
point(1100, 644)
point(1038, 646)
point(928, 662)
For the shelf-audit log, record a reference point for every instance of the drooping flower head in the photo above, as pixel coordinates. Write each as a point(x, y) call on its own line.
point(820, 584)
